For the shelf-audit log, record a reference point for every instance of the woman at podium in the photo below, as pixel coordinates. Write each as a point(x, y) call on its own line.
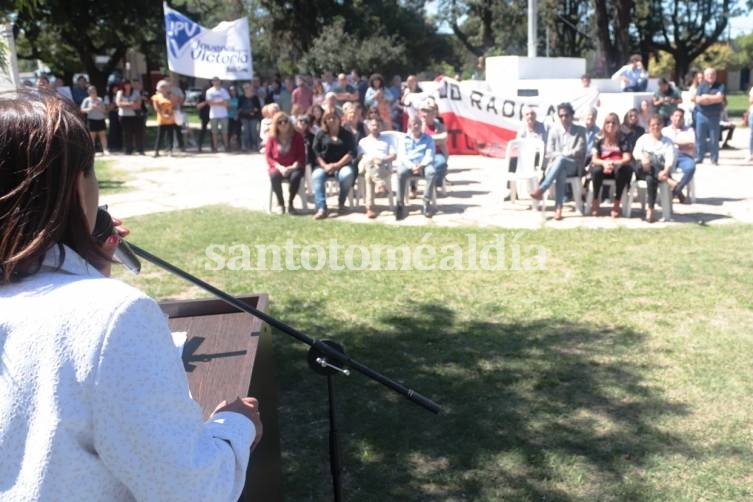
point(94, 401)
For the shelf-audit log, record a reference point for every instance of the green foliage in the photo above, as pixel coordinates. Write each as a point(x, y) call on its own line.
point(68, 34)
point(743, 51)
point(719, 55)
point(368, 35)
point(483, 26)
point(337, 50)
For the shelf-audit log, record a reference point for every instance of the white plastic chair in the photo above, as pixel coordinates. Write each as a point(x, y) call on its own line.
point(332, 188)
point(576, 186)
point(301, 194)
point(529, 165)
point(689, 188)
point(639, 190)
point(625, 202)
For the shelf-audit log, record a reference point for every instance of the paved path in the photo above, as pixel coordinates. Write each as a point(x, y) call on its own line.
point(724, 193)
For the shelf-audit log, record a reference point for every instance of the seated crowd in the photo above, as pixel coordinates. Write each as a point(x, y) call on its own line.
point(331, 128)
point(618, 151)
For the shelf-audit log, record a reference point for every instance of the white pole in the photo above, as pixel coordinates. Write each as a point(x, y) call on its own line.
point(532, 28)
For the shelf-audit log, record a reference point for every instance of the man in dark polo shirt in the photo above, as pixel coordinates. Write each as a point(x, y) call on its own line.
point(709, 101)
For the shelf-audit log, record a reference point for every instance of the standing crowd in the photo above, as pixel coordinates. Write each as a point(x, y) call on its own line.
point(313, 130)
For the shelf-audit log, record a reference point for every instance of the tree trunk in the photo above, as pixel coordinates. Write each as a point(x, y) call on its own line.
point(682, 65)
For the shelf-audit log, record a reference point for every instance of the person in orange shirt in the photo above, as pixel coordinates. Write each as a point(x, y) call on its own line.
point(164, 108)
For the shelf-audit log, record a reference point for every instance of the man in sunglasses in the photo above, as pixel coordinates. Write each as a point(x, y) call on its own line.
point(566, 153)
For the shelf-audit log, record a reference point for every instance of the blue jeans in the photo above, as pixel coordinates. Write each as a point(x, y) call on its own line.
point(707, 131)
point(686, 164)
point(440, 168)
point(404, 172)
point(345, 175)
point(250, 134)
point(639, 86)
point(558, 172)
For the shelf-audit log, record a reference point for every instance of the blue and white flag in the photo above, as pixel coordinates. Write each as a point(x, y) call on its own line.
point(224, 51)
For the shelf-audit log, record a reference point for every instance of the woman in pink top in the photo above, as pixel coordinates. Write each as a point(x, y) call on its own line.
point(286, 158)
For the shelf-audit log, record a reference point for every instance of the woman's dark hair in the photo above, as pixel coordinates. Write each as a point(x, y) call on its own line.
point(627, 116)
point(312, 114)
point(44, 147)
point(374, 77)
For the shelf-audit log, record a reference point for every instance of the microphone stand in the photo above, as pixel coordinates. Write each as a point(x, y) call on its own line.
point(324, 357)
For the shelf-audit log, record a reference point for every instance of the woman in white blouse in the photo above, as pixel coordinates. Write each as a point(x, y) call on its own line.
point(94, 401)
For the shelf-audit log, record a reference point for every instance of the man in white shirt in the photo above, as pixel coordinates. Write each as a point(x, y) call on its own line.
point(683, 137)
point(376, 155)
point(218, 99)
point(655, 155)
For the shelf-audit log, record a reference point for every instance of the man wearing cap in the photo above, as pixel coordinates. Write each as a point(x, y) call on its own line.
point(435, 128)
point(416, 158)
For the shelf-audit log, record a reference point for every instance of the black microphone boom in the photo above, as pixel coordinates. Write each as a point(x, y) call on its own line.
point(326, 349)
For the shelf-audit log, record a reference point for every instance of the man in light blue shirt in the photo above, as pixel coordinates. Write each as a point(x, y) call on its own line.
point(632, 76)
point(416, 158)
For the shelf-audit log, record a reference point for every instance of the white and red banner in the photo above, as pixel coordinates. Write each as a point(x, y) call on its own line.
point(480, 122)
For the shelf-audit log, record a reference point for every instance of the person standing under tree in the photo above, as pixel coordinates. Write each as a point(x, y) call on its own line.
point(96, 109)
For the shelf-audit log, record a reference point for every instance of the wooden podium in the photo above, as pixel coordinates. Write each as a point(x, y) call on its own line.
point(226, 355)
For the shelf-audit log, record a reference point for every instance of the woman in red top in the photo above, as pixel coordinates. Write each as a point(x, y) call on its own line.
point(286, 157)
point(611, 158)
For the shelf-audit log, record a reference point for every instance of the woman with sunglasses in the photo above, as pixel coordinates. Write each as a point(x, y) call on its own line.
point(610, 159)
point(286, 159)
point(94, 398)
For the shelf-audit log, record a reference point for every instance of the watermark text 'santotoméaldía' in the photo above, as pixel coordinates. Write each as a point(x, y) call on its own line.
point(498, 254)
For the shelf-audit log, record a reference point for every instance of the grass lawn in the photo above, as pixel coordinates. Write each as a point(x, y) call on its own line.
point(621, 372)
point(111, 179)
point(737, 103)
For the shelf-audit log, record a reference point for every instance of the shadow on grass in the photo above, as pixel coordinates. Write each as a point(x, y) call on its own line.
point(544, 410)
point(111, 184)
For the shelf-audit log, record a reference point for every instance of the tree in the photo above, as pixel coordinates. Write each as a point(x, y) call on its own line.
point(368, 35)
point(484, 27)
point(686, 28)
point(337, 50)
point(743, 49)
point(68, 35)
point(613, 31)
point(569, 23)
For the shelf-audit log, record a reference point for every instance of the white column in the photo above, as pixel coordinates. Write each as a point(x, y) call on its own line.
point(532, 5)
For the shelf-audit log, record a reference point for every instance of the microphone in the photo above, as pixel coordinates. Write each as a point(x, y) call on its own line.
point(123, 253)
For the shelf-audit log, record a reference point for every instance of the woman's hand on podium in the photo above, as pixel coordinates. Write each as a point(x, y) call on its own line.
point(247, 406)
